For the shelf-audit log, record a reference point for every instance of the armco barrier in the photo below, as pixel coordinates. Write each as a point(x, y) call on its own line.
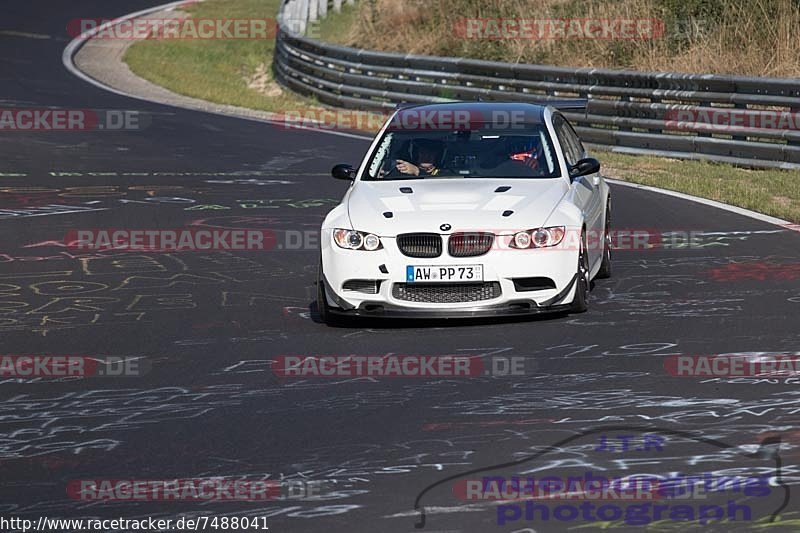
point(628, 111)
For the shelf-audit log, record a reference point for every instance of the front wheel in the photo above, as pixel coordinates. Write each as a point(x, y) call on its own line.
point(582, 282)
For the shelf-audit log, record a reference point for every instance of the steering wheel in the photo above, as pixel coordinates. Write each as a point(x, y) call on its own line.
point(390, 170)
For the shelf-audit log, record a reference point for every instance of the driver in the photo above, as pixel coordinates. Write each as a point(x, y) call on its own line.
point(527, 151)
point(429, 155)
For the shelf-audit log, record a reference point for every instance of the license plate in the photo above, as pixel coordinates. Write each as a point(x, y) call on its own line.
point(438, 273)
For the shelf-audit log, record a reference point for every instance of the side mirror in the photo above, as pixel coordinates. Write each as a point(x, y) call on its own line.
point(589, 165)
point(343, 172)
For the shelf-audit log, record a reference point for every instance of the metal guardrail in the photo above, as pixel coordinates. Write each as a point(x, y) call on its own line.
point(628, 111)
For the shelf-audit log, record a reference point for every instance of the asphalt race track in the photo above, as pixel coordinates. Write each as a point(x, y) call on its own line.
point(208, 324)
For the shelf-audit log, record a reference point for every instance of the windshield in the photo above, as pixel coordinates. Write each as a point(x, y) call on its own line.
point(484, 151)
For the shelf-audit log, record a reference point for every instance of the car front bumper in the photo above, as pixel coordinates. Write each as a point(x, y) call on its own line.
point(387, 267)
point(519, 307)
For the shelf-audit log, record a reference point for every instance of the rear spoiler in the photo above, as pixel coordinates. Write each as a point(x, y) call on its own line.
point(407, 105)
point(574, 104)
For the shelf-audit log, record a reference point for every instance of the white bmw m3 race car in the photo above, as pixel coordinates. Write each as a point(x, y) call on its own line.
point(464, 210)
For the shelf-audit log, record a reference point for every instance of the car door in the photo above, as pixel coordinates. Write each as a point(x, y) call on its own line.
point(586, 193)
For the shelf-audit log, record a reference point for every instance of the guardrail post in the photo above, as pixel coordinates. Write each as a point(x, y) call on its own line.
point(657, 100)
point(740, 137)
point(289, 15)
point(302, 16)
point(704, 133)
point(629, 112)
point(796, 112)
point(294, 18)
point(337, 6)
point(313, 10)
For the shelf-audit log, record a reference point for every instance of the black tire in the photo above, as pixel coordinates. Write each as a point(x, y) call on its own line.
point(605, 266)
point(579, 304)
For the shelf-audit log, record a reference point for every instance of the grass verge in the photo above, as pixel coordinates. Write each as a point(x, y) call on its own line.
point(239, 72)
point(744, 37)
point(224, 71)
point(773, 192)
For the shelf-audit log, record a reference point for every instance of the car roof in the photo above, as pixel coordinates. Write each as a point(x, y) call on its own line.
point(532, 113)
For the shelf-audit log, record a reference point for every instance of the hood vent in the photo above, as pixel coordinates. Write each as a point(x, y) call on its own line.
point(388, 214)
point(406, 190)
point(502, 188)
point(508, 213)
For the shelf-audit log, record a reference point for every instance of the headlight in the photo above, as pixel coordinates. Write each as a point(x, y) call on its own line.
point(372, 242)
point(522, 239)
point(539, 238)
point(356, 240)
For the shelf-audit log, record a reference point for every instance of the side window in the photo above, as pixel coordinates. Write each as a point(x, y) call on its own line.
point(577, 140)
point(573, 150)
